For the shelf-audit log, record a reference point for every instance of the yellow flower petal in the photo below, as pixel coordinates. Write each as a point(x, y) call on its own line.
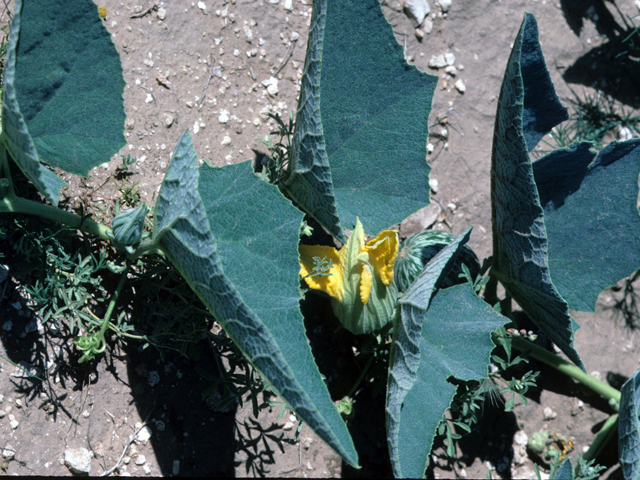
point(366, 282)
point(333, 284)
point(383, 252)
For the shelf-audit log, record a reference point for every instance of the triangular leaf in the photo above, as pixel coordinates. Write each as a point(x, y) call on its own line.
point(456, 316)
point(247, 274)
point(63, 91)
point(591, 217)
point(360, 143)
point(405, 353)
point(629, 428)
point(15, 134)
point(520, 259)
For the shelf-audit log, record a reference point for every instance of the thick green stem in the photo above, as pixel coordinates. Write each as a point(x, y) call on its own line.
point(567, 368)
point(606, 433)
point(14, 204)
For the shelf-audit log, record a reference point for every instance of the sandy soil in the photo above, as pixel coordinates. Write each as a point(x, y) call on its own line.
point(203, 70)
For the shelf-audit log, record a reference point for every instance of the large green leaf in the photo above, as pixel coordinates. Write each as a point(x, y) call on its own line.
point(64, 90)
point(235, 239)
point(629, 428)
point(592, 220)
point(15, 134)
point(360, 143)
point(455, 340)
point(405, 352)
point(520, 259)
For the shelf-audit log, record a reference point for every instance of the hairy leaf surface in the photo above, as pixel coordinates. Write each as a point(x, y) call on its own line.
point(360, 143)
point(63, 91)
point(629, 428)
point(235, 239)
point(455, 340)
point(591, 217)
point(520, 250)
point(412, 418)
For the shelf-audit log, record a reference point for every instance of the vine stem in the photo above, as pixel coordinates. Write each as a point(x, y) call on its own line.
point(112, 305)
point(12, 203)
point(567, 368)
point(608, 430)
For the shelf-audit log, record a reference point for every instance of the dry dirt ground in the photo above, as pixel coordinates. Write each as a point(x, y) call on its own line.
point(203, 69)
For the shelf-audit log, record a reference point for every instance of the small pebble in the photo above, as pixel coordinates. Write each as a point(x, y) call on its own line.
point(433, 184)
point(140, 460)
point(161, 14)
point(445, 5)
point(202, 6)
point(226, 141)
point(224, 116)
point(288, 426)
point(437, 61)
point(450, 58)
point(78, 460)
point(549, 414)
point(149, 98)
point(521, 437)
point(460, 86)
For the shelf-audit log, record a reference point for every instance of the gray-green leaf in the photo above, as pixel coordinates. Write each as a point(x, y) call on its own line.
point(520, 258)
point(360, 143)
point(63, 91)
point(235, 239)
point(591, 217)
point(455, 340)
point(629, 428)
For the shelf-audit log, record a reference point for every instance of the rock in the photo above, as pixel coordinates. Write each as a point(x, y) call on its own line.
point(451, 70)
point(421, 220)
point(433, 185)
point(460, 86)
point(272, 86)
point(144, 435)
point(445, 5)
point(13, 422)
point(161, 13)
point(154, 377)
point(549, 414)
point(226, 141)
point(248, 34)
point(288, 426)
point(224, 116)
point(427, 26)
point(521, 437)
point(419, 34)
point(168, 120)
point(140, 460)
point(288, 5)
point(437, 61)
point(149, 98)
point(78, 460)
point(417, 10)
point(624, 133)
point(196, 128)
point(202, 6)
point(8, 452)
point(450, 58)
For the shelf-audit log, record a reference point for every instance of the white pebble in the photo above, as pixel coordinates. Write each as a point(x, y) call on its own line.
point(433, 184)
point(226, 141)
point(161, 14)
point(450, 58)
point(196, 128)
point(445, 5)
point(460, 86)
point(149, 98)
point(224, 116)
point(202, 6)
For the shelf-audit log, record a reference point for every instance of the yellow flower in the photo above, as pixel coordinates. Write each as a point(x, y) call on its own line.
point(356, 272)
point(102, 11)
